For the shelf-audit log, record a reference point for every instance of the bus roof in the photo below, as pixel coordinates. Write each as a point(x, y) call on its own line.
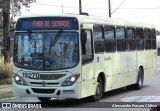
point(99, 20)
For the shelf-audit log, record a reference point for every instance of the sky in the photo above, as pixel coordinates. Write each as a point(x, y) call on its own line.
point(136, 10)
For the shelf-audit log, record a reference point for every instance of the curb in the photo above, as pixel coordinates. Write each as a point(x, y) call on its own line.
point(8, 98)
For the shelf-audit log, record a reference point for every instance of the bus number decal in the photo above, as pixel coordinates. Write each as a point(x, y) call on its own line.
point(31, 75)
point(97, 60)
point(107, 58)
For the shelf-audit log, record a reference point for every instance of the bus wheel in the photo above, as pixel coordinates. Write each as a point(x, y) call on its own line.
point(43, 99)
point(99, 90)
point(139, 83)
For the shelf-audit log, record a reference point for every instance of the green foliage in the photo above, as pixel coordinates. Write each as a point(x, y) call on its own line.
point(6, 95)
point(5, 86)
point(5, 70)
point(6, 81)
point(14, 6)
point(8, 10)
point(17, 4)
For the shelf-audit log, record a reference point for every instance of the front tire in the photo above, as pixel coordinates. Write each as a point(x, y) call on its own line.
point(139, 83)
point(99, 90)
point(43, 99)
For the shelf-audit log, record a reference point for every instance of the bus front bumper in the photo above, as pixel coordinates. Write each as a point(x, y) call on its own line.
point(73, 91)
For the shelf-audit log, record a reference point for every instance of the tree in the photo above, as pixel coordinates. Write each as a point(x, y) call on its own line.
point(157, 32)
point(10, 9)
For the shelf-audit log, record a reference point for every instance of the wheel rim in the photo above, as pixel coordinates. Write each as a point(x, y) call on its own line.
point(140, 82)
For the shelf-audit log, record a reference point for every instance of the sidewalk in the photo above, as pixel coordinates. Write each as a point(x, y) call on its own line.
point(6, 89)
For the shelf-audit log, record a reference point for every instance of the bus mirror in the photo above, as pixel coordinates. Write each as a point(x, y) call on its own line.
point(83, 36)
point(8, 44)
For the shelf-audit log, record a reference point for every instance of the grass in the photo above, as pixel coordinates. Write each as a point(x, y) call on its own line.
point(5, 78)
point(5, 86)
point(5, 70)
point(5, 95)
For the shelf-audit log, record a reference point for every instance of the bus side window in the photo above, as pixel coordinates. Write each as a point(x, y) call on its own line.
point(98, 38)
point(140, 39)
point(110, 41)
point(120, 36)
point(153, 39)
point(87, 50)
point(147, 37)
point(130, 43)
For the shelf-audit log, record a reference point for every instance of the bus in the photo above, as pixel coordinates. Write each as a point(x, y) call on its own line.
point(158, 44)
point(78, 56)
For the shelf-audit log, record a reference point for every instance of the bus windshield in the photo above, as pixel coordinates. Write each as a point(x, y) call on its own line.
point(46, 50)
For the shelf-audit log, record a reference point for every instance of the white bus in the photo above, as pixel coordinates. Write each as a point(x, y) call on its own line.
point(77, 56)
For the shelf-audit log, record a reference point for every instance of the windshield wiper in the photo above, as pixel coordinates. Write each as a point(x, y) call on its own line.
point(53, 41)
point(33, 42)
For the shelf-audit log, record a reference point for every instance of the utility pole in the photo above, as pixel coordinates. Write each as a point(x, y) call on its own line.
point(62, 8)
point(109, 6)
point(80, 7)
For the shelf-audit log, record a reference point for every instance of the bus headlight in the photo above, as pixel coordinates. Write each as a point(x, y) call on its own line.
point(19, 80)
point(71, 80)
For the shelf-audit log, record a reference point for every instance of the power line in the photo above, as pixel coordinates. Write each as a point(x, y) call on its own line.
point(119, 6)
point(111, 3)
point(140, 8)
point(55, 5)
point(100, 8)
point(94, 3)
point(66, 6)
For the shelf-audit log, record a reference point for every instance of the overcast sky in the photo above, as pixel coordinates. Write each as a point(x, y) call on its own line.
point(138, 10)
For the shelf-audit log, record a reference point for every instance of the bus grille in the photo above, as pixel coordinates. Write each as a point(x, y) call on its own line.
point(40, 83)
point(44, 91)
point(51, 76)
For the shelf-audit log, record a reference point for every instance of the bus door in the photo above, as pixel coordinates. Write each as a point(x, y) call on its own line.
point(87, 62)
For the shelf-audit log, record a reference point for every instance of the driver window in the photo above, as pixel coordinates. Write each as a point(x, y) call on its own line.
point(87, 50)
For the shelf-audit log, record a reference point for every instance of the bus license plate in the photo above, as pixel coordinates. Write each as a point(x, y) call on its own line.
point(31, 75)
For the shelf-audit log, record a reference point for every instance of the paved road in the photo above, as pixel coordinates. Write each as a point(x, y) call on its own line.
point(150, 93)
